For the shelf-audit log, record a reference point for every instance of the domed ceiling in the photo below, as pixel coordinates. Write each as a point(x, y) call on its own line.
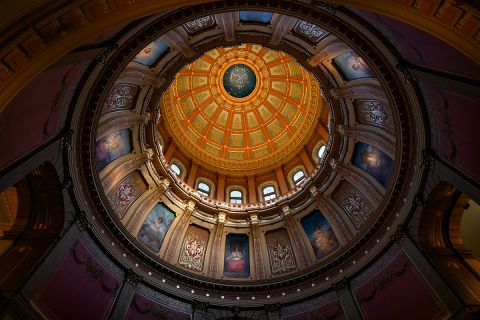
point(242, 107)
point(247, 110)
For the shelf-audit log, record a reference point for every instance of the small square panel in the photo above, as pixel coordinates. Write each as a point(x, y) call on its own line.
point(263, 17)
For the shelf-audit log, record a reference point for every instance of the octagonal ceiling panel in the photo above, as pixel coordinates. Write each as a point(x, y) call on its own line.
point(239, 107)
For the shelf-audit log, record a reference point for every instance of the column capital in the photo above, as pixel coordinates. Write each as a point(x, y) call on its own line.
point(132, 277)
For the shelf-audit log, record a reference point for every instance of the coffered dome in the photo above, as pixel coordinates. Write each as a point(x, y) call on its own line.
point(245, 107)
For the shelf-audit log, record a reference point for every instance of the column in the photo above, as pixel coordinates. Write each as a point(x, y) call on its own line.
point(347, 301)
point(178, 232)
point(221, 187)
point(298, 243)
point(217, 243)
point(306, 161)
point(122, 303)
point(284, 24)
point(281, 180)
point(41, 275)
point(252, 190)
point(192, 175)
point(257, 247)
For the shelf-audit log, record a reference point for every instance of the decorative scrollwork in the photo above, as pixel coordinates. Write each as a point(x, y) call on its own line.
point(132, 277)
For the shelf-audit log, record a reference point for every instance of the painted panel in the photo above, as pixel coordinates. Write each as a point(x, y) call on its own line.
point(151, 53)
point(256, 16)
point(373, 161)
point(126, 192)
point(352, 66)
point(194, 247)
point(112, 147)
point(237, 257)
point(320, 234)
point(353, 202)
point(155, 227)
point(121, 97)
point(280, 252)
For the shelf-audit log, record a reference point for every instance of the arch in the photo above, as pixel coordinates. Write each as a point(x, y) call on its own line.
point(294, 176)
point(319, 151)
point(239, 196)
point(208, 182)
point(439, 237)
point(60, 43)
point(38, 224)
point(268, 190)
point(176, 165)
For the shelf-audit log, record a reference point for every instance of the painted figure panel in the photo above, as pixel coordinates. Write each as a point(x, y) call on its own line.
point(194, 248)
point(151, 53)
point(155, 227)
point(352, 66)
point(280, 252)
point(320, 234)
point(374, 161)
point(112, 147)
point(237, 258)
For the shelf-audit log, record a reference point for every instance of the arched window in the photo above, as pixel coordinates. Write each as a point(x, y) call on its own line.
point(236, 196)
point(269, 193)
point(321, 151)
point(175, 168)
point(298, 177)
point(203, 188)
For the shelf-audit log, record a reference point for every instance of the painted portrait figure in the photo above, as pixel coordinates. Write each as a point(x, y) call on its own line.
point(352, 66)
point(112, 147)
point(374, 161)
point(320, 234)
point(155, 227)
point(151, 53)
point(236, 263)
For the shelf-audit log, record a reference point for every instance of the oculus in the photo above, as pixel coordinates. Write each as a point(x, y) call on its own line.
point(239, 80)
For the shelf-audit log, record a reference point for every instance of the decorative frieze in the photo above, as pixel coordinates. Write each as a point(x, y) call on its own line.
point(121, 97)
point(374, 113)
point(309, 30)
point(126, 192)
point(280, 252)
point(353, 202)
point(194, 247)
point(195, 25)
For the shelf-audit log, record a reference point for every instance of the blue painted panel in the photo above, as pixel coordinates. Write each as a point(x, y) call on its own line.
point(155, 227)
point(264, 17)
point(112, 147)
point(374, 161)
point(151, 53)
point(320, 233)
point(352, 66)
